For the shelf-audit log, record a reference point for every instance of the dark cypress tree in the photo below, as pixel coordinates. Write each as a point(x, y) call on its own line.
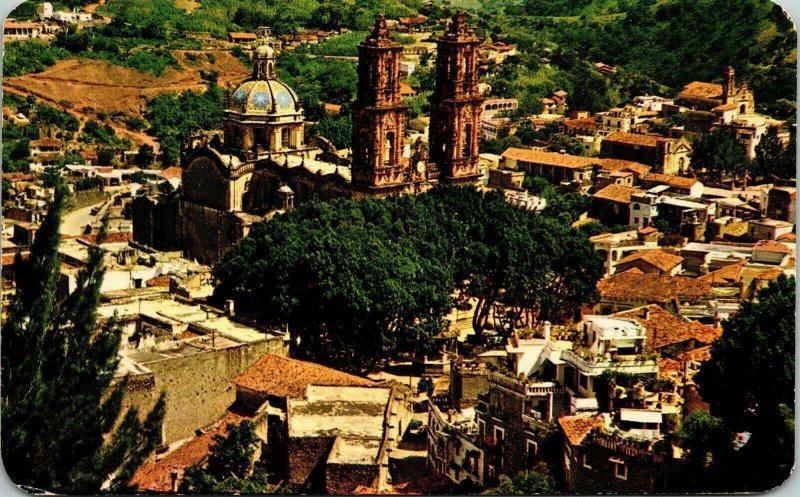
point(61, 430)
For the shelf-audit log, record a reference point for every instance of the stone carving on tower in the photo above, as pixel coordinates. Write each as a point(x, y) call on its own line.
point(455, 106)
point(379, 116)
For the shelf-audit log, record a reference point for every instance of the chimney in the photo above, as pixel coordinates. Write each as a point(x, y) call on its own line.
point(229, 309)
point(174, 479)
point(646, 314)
point(717, 319)
point(547, 330)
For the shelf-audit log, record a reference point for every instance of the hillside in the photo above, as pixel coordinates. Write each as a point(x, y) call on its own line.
point(672, 42)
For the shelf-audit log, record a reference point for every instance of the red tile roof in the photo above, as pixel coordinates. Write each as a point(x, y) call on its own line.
point(171, 172)
point(624, 165)
point(242, 36)
point(111, 237)
point(617, 193)
point(658, 258)
point(664, 328)
point(634, 286)
point(46, 142)
point(548, 158)
point(731, 273)
point(162, 280)
point(157, 476)
point(787, 237)
point(772, 246)
point(669, 180)
point(285, 377)
point(635, 139)
point(576, 428)
point(701, 90)
point(698, 354)
point(668, 365)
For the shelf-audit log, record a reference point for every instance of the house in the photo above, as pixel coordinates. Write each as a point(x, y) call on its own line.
point(497, 52)
point(165, 474)
point(492, 106)
point(781, 203)
point(557, 167)
point(769, 229)
point(669, 334)
point(241, 37)
point(454, 450)
point(21, 30)
point(612, 204)
point(615, 246)
point(46, 150)
point(406, 90)
point(412, 23)
point(683, 216)
point(678, 184)
point(665, 155)
point(599, 458)
point(633, 288)
point(339, 438)
point(604, 68)
point(655, 261)
point(772, 252)
point(652, 102)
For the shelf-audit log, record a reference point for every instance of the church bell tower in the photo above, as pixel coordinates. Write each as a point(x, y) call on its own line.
point(456, 106)
point(379, 116)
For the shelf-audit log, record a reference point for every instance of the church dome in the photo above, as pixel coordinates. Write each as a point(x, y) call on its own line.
point(264, 97)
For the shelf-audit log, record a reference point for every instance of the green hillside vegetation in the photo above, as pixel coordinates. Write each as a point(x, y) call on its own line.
point(672, 42)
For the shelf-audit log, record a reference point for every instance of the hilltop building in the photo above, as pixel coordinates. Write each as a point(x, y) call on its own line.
point(261, 163)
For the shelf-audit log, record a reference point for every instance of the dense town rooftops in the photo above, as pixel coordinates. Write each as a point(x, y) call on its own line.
point(772, 246)
point(623, 165)
point(285, 377)
point(655, 257)
point(730, 274)
point(633, 286)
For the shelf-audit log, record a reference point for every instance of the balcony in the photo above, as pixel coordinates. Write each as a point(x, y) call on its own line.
point(594, 365)
point(523, 387)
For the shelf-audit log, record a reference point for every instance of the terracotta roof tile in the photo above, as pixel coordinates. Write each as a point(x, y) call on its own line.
point(624, 165)
point(701, 90)
point(586, 123)
point(664, 328)
point(658, 258)
point(617, 193)
point(46, 142)
point(668, 365)
point(669, 180)
point(548, 158)
point(630, 286)
point(576, 428)
point(162, 280)
point(112, 237)
point(731, 273)
point(698, 354)
point(242, 35)
point(157, 476)
point(171, 172)
point(635, 139)
point(285, 377)
point(772, 246)
point(787, 237)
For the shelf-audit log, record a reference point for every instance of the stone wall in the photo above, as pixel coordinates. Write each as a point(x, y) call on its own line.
point(342, 479)
point(207, 233)
point(198, 386)
point(306, 457)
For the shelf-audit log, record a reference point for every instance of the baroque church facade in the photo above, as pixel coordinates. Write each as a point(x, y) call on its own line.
point(261, 163)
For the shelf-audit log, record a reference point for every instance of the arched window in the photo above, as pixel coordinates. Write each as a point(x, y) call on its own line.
point(742, 109)
point(286, 135)
point(389, 157)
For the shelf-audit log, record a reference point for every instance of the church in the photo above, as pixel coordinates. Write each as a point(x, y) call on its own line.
point(261, 162)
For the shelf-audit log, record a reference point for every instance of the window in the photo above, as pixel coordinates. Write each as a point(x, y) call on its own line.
point(583, 381)
point(620, 469)
point(636, 207)
point(531, 448)
point(491, 471)
point(482, 427)
point(636, 220)
point(585, 461)
point(466, 151)
point(499, 434)
point(285, 137)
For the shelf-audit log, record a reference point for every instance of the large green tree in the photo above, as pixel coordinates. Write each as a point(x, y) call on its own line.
point(532, 482)
point(718, 154)
point(61, 426)
point(749, 382)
